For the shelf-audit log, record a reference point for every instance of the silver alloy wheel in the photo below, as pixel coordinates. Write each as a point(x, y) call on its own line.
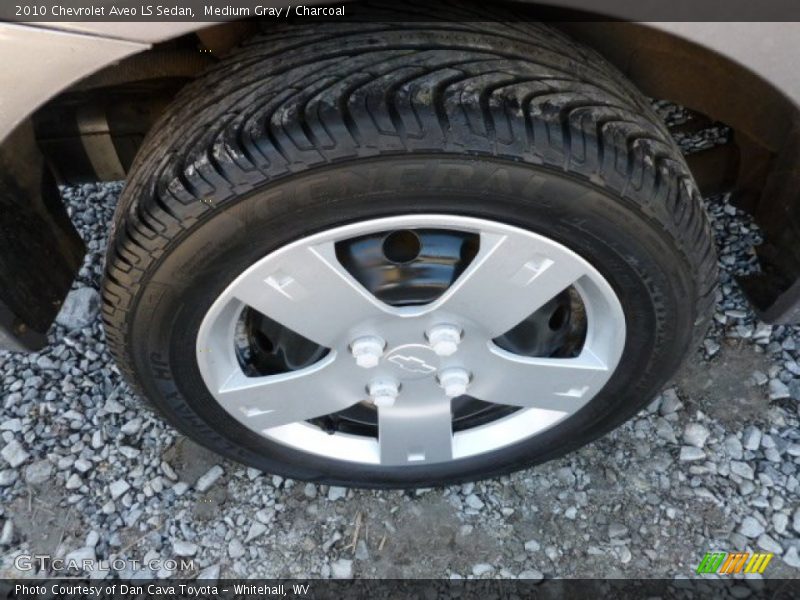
point(406, 360)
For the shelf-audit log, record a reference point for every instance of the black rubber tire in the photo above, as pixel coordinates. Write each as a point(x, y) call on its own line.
point(308, 128)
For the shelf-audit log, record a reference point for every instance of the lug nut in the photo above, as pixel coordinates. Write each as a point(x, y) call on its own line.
point(383, 393)
point(454, 381)
point(444, 339)
point(367, 351)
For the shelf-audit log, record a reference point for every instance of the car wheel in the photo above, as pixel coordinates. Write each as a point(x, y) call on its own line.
point(396, 255)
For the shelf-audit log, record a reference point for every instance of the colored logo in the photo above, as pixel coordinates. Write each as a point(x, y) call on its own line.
point(728, 563)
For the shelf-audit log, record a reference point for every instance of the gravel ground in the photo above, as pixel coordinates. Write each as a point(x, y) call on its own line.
point(712, 464)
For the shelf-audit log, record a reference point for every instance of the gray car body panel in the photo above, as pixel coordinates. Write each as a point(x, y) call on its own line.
point(39, 63)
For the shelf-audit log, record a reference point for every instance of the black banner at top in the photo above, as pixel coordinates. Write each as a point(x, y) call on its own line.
point(546, 10)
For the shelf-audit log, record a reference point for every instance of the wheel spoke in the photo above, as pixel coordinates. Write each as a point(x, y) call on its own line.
point(418, 429)
point(562, 384)
point(275, 400)
point(306, 289)
point(510, 278)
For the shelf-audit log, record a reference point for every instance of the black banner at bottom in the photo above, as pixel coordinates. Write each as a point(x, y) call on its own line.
point(398, 589)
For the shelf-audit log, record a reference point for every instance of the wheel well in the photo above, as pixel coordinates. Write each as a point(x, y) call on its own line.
point(662, 65)
point(759, 165)
point(667, 67)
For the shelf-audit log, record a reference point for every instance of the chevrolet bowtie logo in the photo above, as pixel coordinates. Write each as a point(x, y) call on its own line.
point(412, 364)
